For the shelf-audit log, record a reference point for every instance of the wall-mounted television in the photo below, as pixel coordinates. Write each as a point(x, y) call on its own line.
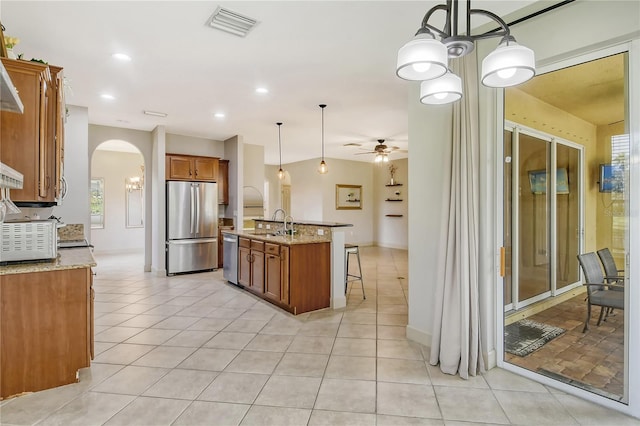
point(538, 181)
point(611, 178)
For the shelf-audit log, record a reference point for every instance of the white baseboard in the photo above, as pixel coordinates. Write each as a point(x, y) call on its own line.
point(418, 336)
point(392, 246)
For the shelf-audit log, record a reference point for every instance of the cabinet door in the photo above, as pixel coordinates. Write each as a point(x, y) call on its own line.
point(23, 136)
point(284, 274)
point(257, 271)
point(223, 182)
point(59, 113)
point(179, 167)
point(244, 266)
point(272, 276)
point(206, 168)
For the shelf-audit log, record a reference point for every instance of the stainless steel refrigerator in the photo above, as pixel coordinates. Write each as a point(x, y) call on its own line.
point(192, 226)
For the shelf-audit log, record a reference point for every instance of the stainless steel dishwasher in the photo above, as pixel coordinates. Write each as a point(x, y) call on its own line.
point(230, 258)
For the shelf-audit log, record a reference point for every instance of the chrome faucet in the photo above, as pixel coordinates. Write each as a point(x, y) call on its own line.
point(275, 214)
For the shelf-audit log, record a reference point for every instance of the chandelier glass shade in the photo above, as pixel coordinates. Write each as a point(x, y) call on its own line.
point(425, 58)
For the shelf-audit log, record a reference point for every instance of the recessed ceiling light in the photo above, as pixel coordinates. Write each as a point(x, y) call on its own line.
point(121, 57)
point(107, 96)
point(262, 90)
point(219, 115)
point(156, 114)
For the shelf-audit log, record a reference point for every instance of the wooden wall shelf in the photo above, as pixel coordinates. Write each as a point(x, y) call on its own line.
point(393, 215)
point(393, 199)
point(393, 184)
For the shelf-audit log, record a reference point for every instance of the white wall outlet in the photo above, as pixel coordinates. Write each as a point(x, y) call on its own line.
point(320, 231)
point(268, 226)
point(260, 226)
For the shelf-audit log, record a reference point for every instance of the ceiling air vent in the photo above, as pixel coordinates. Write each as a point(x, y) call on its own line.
point(231, 22)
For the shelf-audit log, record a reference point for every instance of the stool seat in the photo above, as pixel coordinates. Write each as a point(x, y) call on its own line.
point(352, 249)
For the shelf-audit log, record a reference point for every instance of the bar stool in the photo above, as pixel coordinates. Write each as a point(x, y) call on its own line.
point(352, 249)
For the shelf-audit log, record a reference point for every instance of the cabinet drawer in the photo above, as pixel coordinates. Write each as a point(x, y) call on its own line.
point(257, 245)
point(272, 249)
point(244, 242)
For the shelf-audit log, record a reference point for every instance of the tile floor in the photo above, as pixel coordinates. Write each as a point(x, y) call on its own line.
point(193, 350)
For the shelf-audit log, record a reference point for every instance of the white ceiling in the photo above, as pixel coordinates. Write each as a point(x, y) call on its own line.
point(341, 53)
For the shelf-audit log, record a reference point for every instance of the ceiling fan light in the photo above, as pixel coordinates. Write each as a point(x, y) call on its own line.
point(508, 65)
point(422, 58)
point(385, 158)
point(378, 158)
point(443, 90)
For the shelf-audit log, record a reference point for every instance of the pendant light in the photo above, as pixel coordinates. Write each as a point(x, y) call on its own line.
point(322, 169)
point(280, 171)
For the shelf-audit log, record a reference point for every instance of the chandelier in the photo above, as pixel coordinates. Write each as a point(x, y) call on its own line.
point(425, 58)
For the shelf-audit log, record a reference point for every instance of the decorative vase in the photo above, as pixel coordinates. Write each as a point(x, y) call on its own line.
point(391, 181)
point(11, 54)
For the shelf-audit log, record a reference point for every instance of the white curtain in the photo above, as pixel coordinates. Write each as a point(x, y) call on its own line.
point(456, 342)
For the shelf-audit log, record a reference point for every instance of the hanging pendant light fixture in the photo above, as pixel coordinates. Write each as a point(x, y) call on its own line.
point(323, 166)
point(421, 59)
point(280, 171)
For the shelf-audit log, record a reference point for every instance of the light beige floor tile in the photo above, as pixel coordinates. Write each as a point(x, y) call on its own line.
point(131, 380)
point(391, 300)
point(269, 343)
point(123, 353)
point(294, 392)
point(99, 347)
point(204, 412)
point(351, 367)
point(238, 388)
point(480, 405)
point(143, 321)
point(358, 318)
point(190, 338)
point(117, 334)
point(392, 319)
point(325, 315)
point(184, 300)
point(385, 420)
point(108, 307)
point(354, 347)
point(393, 309)
point(319, 328)
point(401, 399)
point(241, 301)
point(166, 310)
point(135, 308)
point(209, 359)
point(230, 340)
point(524, 407)
point(499, 379)
point(271, 416)
point(195, 311)
point(333, 418)
point(152, 336)
point(181, 384)
point(307, 365)
point(176, 323)
point(92, 376)
point(402, 349)
point(225, 313)
point(257, 314)
point(361, 331)
point(392, 332)
point(210, 324)
point(164, 356)
point(255, 362)
point(355, 396)
point(588, 413)
point(438, 378)
point(246, 326)
point(311, 344)
point(149, 411)
point(88, 409)
point(402, 371)
point(29, 409)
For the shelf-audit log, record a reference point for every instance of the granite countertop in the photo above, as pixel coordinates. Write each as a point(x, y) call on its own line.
point(281, 239)
point(76, 258)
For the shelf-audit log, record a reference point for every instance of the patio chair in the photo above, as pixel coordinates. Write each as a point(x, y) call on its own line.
point(599, 292)
point(611, 272)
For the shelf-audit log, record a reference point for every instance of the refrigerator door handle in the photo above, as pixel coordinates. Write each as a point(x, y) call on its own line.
point(196, 241)
point(198, 207)
point(193, 210)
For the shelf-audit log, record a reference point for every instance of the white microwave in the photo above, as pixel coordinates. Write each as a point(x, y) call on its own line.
point(28, 240)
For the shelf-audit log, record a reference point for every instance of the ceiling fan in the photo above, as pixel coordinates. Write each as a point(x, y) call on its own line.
point(381, 151)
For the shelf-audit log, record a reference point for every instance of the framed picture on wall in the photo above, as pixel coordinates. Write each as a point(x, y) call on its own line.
point(348, 197)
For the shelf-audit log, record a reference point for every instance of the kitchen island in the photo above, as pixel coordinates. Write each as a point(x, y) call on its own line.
point(295, 271)
point(46, 322)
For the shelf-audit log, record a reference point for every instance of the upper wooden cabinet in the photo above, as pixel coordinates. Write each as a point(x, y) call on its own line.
point(31, 143)
point(190, 167)
point(223, 182)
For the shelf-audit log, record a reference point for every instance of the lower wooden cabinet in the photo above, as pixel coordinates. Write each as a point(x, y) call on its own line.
point(296, 277)
point(46, 329)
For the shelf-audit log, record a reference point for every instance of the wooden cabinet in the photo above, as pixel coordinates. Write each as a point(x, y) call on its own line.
point(296, 277)
point(27, 141)
point(251, 264)
point(190, 167)
point(57, 117)
point(223, 182)
point(46, 330)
